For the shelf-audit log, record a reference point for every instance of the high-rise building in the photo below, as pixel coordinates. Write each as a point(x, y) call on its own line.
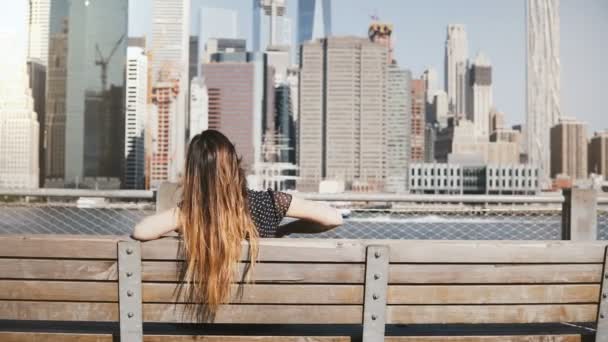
point(278, 57)
point(430, 84)
point(285, 124)
point(266, 17)
point(218, 45)
point(37, 82)
point(199, 106)
point(497, 120)
point(543, 81)
point(237, 87)
point(216, 23)
point(380, 33)
point(293, 80)
point(170, 63)
point(456, 68)
point(598, 154)
point(480, 95)
point(193, 58)
point(342, 108)
point(397, 128)
point(430, 136)
point(164, 95)
point(19, 126)
point(569, 149)
point(85, 93)
point(135, 118)
point(440, 108)
point(314, 20)
point(417, 122)
point(38, 14)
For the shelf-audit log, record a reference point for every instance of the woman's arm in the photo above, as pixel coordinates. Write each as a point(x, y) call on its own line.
point(314, 217)
point(157, 225)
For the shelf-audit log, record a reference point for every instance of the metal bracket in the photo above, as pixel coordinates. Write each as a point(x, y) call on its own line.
point(129, 291)
point(376, 284)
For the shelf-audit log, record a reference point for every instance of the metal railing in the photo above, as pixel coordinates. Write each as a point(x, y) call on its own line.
point(367, 215)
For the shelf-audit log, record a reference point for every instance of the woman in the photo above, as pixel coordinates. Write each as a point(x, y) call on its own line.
point(217, 212)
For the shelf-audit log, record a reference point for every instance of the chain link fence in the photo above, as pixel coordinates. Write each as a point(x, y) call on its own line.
point(602, 223)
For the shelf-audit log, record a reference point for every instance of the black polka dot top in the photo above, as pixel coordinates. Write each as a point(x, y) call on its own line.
point(267, 209)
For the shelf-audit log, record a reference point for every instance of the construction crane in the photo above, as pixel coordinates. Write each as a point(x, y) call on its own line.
point(103, 62)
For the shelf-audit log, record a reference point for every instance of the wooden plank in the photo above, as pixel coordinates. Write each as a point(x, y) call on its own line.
point(58, 269)
point(493, 294)
point(480, 314)
point(500, 273)
point(9, 336)
point(261, 314)
point(35, 290)
point(219, 338)
point(267, 294)
point(270, 272)
point(517, 338)
point(410, 251)
point(59, 311)
point(59, 246)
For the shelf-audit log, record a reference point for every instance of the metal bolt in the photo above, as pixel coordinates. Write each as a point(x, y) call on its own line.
point(129, 293)
point(602, 316)
point(130, 314)
point(129, 250)
point(606, 276)
point(604, 295)
point(375, 296)
point(377, 255)
point(376, 276)
point(374, 317)
point(129, 274)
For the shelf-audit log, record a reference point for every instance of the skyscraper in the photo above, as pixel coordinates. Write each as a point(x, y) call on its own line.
point(397, 128)
point(418, 102)
point(86, 89)
point(480, 95)
point(170, 44)
point(569, 149)
point(456, 68)
point(440, 108)
point(215, 23)
point(135, 117)
point(18, 123)
point(543, 81)
point(199, 106)
point(342, 108)
point(314, 20)
point(381, 33)
point(430, 84)
point(267, 20)
point(598, 154)
point(164, 95)
point(38, 13)
point(215, 45)
point(37, 82)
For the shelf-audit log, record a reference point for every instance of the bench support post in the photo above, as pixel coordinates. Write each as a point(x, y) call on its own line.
point(129, 287)
point(376, 284)
point(579, 214)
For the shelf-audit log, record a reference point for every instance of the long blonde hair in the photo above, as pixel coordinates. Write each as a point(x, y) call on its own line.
point(214, 221)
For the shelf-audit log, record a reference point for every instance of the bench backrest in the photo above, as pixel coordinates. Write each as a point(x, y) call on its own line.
point(369, 282)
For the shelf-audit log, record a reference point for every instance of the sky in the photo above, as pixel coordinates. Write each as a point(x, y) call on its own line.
point(495, 27)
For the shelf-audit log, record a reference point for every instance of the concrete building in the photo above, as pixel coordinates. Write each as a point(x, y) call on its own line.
point(480, 95)
point(314, 20)
point(38, 15)
point(266, 17)
point(19, 127)
point(497, 120)
point(37, 82)
point(284, 124)
point(452, 178)
point(569, 149)
point(456, 67)
point(431, 85)
point(279, 59)
point(342, 107)
point(135, 118)
point(430, 136)
point(238, 91)
point(219, 24)
point(164, 97)
point(440, 108)
point(193, 58)
point(418, 101)
point(598, 154)
point(220, 45)
point(542, 82)
point(87, 122)
point(199, 106)
point(397, 122)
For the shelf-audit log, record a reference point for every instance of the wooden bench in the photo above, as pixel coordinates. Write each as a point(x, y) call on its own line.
point(53, 287)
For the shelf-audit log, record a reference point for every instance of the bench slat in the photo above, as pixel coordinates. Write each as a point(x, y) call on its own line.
point(480, 314)
point(271, 272)
point(58, 269)
point(262, 314)
point(210, 338)
point(35, 290)
point(501, 273)
point(59, 311)
point(518, 338)
point(59, 246)
point(493, 294)
point(269, 294)
point(9, 336)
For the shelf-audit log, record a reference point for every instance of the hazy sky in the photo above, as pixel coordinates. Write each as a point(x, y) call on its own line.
point(496, 27)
